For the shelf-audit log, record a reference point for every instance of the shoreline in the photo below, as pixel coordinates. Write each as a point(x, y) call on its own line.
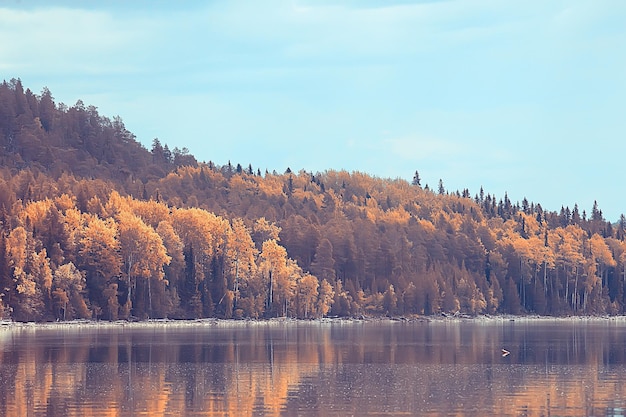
point(174, 323)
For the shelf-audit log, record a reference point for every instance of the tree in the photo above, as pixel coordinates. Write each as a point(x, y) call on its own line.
point(41, 273)
point(69, 289)
point(390, 300)
point(326, 295)
point(204, 237)
point(175, 269)
point(416, 180)
point(143, 256)
point(99, 258)
point(601, 252)
point(47, 109)
point(241, 253)
point(307, 295)
point(263, 230)
point(159, 154)
point(323, 265)
point(569, 246)
point(596, 213)
point(280, 275)
point(29, 271)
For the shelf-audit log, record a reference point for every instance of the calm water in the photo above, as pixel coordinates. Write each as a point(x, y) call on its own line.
point(316, 369)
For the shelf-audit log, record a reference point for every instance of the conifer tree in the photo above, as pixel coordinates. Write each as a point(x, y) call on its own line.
point(416, 180)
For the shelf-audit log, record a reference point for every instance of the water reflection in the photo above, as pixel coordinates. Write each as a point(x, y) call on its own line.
point(315, 369)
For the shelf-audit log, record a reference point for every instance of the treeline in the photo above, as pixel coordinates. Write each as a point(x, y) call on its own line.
point(125, 258)
point(160, 235)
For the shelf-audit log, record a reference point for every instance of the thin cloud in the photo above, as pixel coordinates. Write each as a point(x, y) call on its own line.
point(63, 39)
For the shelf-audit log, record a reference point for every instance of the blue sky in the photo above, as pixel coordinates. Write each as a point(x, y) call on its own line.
point(525, 97)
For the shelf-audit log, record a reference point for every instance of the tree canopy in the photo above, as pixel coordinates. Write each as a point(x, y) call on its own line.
point(94, 225)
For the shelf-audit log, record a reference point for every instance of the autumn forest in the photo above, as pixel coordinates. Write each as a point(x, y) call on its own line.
point(96, 226)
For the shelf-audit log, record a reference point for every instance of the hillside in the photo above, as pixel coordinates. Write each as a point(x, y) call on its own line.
point(94, 225)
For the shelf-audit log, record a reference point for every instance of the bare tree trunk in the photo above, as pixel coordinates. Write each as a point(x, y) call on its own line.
point(545, 278)
point(522, 284)
point(130, 266)
point(149, 299)
point(567, 287)
point(236, 283)
point(575, 295)
point(270, 296)
point(624, 283)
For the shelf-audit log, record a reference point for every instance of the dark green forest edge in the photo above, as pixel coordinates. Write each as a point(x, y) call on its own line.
point(96, 226)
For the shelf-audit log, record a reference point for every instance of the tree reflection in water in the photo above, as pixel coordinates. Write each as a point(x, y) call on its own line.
point(315, 369)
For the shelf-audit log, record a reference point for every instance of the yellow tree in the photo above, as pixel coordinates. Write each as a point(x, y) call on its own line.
point(42, 273)
point(36, 212)
point(569, 243)
point(601, 255)
point(548, 259)
point(143, 256)
point(241, 254)
point(174, 271)
point(603, 260)
point(263, 231)
point(95, 206)
point(541, 258)
point(204, 236)
point(326, 295)
point(16, 247)
point(115, 205)
point(206, 230)
point(69, 287)
point(308, 293)
point(24, 263)
point(276, 274)
point(619, 248)
point(99, 257)
point(151, 212)
point(286, 286)
point(525, 261)
point(73, 223)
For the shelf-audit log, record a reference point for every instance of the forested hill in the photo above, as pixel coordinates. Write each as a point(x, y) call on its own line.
point(36, 133)
point(94, 225)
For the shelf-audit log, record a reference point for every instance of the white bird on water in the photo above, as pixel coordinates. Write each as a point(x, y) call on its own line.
point(505, 353)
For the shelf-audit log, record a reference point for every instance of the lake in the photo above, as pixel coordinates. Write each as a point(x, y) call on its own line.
point(319, 368)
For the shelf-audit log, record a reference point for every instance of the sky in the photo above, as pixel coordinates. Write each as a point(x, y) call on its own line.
point(526, 97)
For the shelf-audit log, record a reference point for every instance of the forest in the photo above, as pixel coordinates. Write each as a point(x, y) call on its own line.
point(96, 226)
